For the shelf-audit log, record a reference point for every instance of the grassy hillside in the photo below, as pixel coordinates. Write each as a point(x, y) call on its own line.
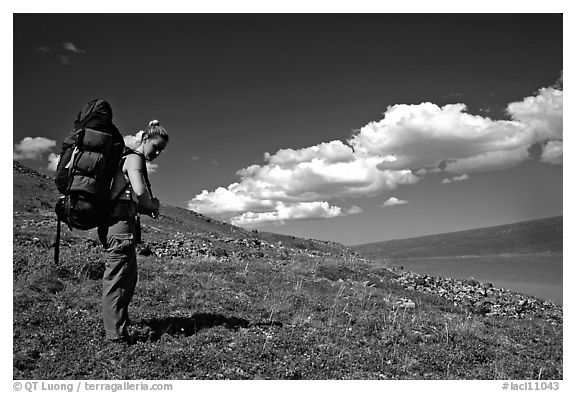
point(214, 301)
point(530, 237)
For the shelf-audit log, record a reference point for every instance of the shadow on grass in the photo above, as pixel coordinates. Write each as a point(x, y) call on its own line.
point(157, 327)
point(153, 329)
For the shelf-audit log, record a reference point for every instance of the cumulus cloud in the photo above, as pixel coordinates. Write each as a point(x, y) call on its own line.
point(407, 144)
point(132, 141)
point(285, 211)
point(489, 161)
point(286, 180)
point(461, 178)
point(540, 115)
point(393, 201)
point(354, 210)
point(33, 148)
point(330, 152)
point(456, 179)
point(427, 135)
point(552, 152)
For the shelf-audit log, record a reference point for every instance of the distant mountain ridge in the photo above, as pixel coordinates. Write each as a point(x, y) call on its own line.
point(528, 237)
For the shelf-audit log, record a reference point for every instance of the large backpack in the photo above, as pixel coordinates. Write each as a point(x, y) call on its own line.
point(89, 159)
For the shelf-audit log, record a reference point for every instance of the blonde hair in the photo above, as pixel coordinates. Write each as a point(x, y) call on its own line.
point(155, 130)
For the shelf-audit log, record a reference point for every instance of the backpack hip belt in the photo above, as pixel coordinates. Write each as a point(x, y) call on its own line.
point(123, 209)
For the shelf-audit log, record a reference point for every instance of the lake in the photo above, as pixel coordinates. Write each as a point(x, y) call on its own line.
point(536, 275)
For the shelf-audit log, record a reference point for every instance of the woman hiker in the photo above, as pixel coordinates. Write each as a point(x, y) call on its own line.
point(119, 237)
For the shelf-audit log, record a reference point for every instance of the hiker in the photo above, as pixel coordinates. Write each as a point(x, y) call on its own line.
point(120, 235)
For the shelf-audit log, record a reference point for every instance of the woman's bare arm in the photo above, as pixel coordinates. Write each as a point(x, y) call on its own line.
point(134, 167)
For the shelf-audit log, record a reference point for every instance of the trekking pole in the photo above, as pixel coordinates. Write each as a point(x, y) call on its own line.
point(57, 244)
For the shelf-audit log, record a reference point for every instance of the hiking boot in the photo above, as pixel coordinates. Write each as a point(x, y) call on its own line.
point(115, 345)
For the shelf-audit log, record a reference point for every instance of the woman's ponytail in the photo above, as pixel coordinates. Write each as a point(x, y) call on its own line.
point(155, 130)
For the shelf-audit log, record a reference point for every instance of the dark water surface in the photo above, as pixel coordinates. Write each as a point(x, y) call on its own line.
point(536, 275)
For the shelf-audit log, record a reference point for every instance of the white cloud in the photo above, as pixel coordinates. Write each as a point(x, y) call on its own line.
point(69, 46)
point(393, 201)
point(489, 161)
point(284, 211)
point(236, 198)
point(354, 210)
point(423, 171)
point(330, 152)
point(552, 153)
point(317, 178)
point(426, 135)
point(32, 148)
point(540, 114)
point(461, 178)
point(456, 179)
point(407, 144)
point(132, 141)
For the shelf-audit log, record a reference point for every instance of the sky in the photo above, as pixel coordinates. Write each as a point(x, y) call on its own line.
point(353, 128)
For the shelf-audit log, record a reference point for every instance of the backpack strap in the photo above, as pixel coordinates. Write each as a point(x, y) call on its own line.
point(57, 242)
point(121, 191)
point(127, 151)
point(75, 157)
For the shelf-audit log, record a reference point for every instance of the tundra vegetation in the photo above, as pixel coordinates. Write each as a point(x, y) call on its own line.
point(215, 301)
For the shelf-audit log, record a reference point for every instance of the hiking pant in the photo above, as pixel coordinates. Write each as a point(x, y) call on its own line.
point(120, 276)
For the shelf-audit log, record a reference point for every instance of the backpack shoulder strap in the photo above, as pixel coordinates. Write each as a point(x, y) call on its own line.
point(125, 153)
